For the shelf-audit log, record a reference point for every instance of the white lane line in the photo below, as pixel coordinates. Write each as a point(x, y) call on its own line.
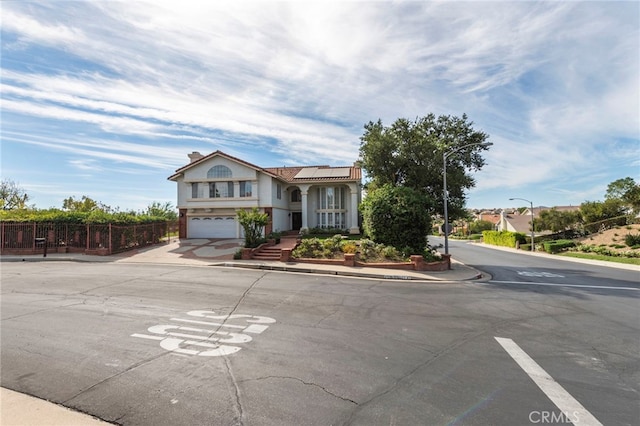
point(556, 393)
point(566, 285)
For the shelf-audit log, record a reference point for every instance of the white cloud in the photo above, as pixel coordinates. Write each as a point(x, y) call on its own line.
point(550, 81)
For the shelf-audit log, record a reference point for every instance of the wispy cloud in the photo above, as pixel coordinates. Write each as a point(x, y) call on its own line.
point(142, 83)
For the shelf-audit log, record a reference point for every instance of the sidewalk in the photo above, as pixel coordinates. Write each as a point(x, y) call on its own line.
point(220, 254)
point(17, 409)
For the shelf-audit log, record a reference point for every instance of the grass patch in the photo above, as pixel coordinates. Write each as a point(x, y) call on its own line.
point(627, 260)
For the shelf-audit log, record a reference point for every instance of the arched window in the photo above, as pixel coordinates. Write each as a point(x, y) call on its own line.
point(296, 195)
point(219, 172)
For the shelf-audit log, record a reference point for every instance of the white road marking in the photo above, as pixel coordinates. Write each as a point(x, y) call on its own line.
point(215, 324)
point(566, 285)
point(146, 336)
point(556, 393)
point(539, 274)
point(173, 337)
point(232, 337)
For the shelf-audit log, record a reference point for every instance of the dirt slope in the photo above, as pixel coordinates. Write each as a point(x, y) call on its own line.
point(612, 237)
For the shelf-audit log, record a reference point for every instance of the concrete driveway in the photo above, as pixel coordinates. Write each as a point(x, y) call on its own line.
point(186, 249)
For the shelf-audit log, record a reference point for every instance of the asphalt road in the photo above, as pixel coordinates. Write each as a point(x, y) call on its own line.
point(509, 268)
point(141, 344)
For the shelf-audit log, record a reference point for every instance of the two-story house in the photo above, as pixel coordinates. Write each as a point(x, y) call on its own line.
point(212, 188)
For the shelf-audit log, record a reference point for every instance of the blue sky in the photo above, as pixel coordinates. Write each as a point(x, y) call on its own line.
point(107, 98)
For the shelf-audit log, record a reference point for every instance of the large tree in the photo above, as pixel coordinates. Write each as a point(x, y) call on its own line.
point(410, 153)
point(626, 191)
point(12, 196)
point(555, 220)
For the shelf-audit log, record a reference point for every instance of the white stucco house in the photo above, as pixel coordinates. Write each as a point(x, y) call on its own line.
point(212, 188)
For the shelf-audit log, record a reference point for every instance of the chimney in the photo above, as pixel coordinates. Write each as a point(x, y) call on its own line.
point(195, 156)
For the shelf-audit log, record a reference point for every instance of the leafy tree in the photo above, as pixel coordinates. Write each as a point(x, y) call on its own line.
point(164, 210)
point(627, 191)
point(478, 226)
point(410, 153)
point(12, 196)
point(85, 204)
point(397, 216)
point(253, 223)
point(594, 211)
point(555, 220)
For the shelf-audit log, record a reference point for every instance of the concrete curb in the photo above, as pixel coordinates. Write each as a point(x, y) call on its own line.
point(470, 274)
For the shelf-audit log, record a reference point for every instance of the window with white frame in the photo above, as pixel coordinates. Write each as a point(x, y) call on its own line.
point(245, 188)
point(194, 190)
point(221, 190)
point(279, 191)
point(332, 211)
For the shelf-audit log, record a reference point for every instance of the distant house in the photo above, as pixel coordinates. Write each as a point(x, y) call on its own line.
point(492, 216)
point(212, 188)
point(512, 220)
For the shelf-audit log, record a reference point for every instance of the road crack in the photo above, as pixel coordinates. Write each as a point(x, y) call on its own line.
point(325, 390)
point(238, 402)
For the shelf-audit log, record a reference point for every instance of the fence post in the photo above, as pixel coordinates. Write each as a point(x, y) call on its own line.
point(88, 236)
point(110, 241)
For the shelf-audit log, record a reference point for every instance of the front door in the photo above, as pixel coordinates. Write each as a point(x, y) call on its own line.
point(296, 221)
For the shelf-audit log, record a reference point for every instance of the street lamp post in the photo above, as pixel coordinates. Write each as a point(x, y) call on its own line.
point(446, 195)
point(533, 244)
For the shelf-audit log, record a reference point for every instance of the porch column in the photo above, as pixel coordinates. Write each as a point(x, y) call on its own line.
point(354, 229)
point(304, 190)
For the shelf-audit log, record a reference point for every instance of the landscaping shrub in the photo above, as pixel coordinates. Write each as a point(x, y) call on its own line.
point(327, 231)
point(604, 251)
point(349, 247)
point(525, 247)
point(503, 238)
point(558, 246)
point(253, 223)
point(397, 217)
point(368, 251)
point(632, 239)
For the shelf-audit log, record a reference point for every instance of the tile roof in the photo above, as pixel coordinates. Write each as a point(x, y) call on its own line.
point(287, 174)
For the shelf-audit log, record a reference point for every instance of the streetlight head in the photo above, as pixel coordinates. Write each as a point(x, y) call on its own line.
point(486, 144)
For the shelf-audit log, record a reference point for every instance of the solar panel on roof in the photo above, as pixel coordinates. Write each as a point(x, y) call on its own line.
point(315, 172)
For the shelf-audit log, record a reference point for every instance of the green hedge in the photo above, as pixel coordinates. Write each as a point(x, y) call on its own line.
point(84, 218)
point(557, 246)
point(503, 238)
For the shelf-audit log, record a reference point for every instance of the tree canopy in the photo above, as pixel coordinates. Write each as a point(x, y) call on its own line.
point(627, 191)
point(158, 209)
point(410, 153)
point(12, 196)
point(85, 204)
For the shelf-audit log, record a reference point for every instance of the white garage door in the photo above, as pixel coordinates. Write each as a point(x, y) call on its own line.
point(212, 227)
